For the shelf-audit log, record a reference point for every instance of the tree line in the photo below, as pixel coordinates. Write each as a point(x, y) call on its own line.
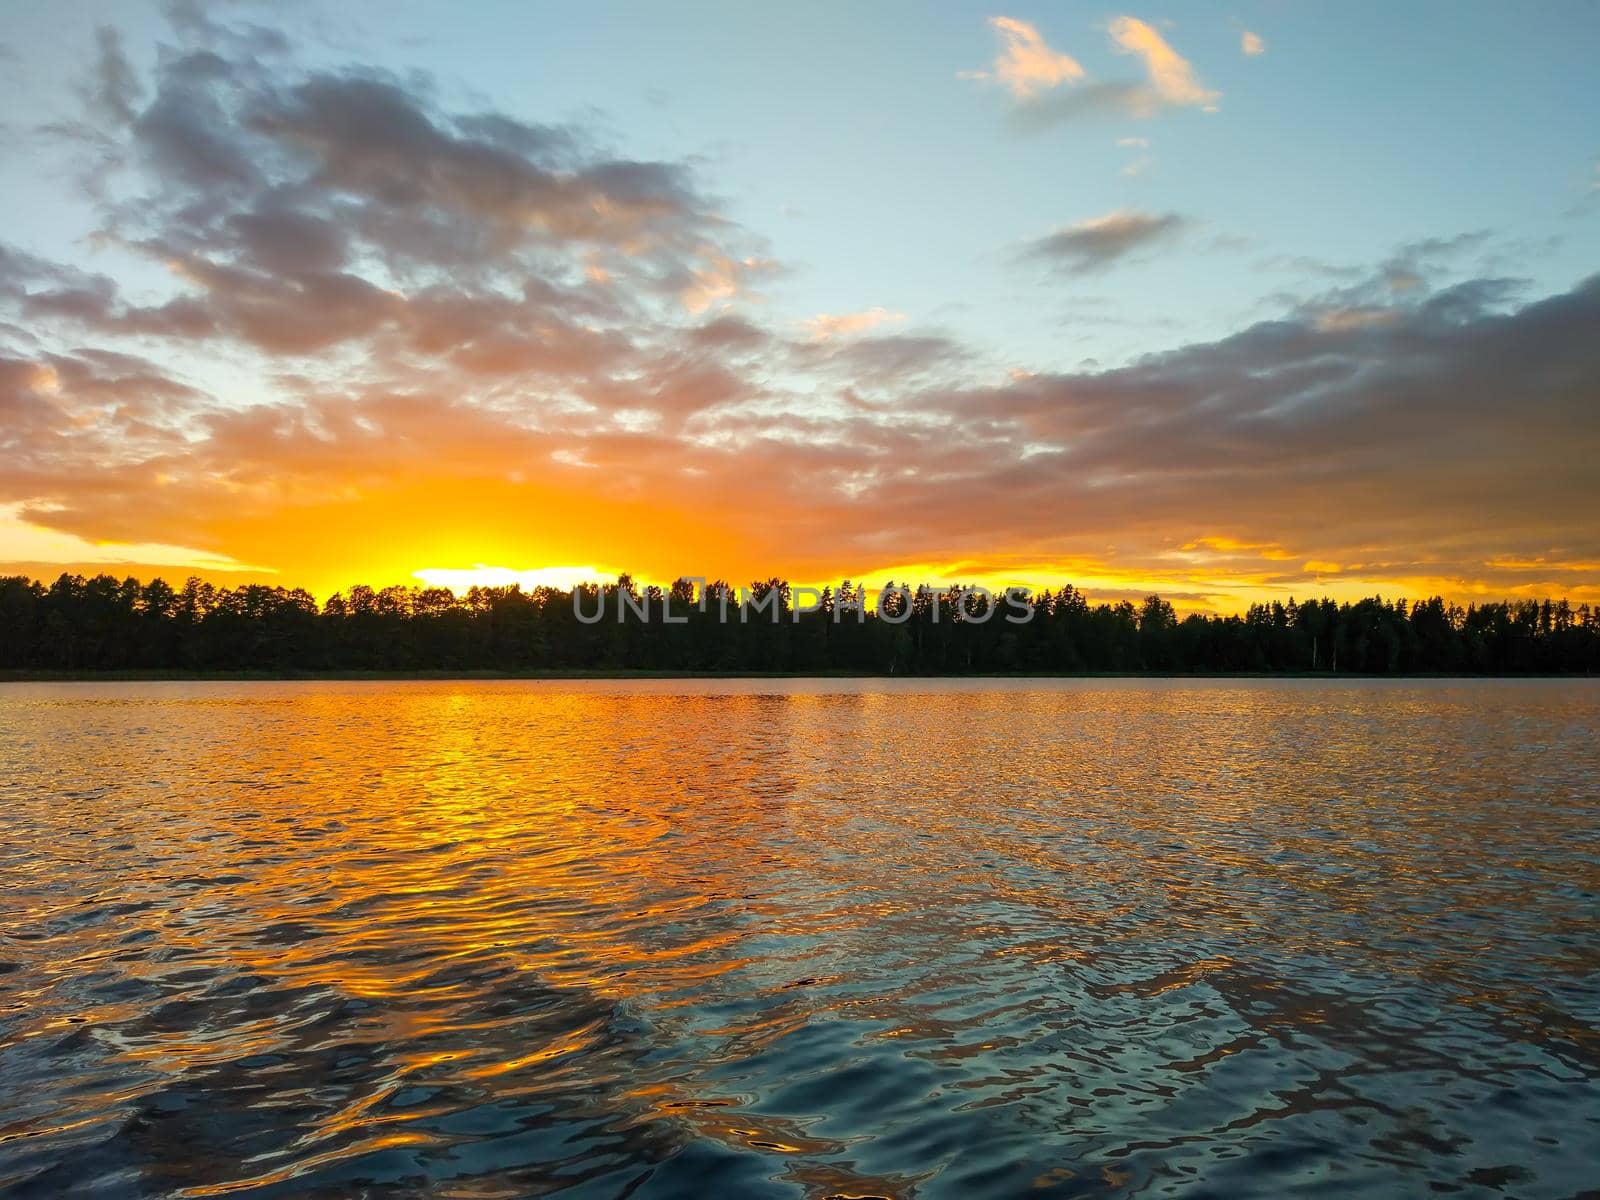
point(79, 624)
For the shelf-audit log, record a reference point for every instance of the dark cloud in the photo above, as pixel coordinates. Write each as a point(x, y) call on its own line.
point(1471, 419)
point(373, 141)
point(188, 135)
point(900, 361)
point(114, 89)
point(303, 212)
point(1096, 244)
point(1409, 275)
point(730, 333)
point(193, 24)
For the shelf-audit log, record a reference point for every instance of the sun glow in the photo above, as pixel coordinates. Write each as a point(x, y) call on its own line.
point(462, 580)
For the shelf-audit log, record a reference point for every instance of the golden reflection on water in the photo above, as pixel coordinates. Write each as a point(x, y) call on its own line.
point(764, 938)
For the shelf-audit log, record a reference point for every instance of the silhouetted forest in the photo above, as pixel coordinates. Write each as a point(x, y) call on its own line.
point(103, 624)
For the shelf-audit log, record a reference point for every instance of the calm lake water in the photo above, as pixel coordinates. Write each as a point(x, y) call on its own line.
point(800, 938)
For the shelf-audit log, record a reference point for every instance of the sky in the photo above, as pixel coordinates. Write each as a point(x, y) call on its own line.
point(1232, 303)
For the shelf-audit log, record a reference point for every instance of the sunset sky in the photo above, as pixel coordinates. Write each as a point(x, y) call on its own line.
point(1230, 302)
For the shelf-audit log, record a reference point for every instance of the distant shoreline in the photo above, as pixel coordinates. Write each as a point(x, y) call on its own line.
point(170, 676)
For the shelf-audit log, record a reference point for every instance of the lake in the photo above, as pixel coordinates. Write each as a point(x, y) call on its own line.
point(800, 938)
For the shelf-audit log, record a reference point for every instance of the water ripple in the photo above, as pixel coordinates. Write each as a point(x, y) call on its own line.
point(799, 939)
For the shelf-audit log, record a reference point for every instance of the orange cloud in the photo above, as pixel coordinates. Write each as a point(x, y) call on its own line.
point(1172, 79)
point(1027, 65)
point(824, 325)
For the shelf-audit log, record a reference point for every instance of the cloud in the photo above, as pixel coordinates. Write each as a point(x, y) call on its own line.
point(1170, 82)
point(1412, 273)
point(1142, 163)
point(370, 138)
point(1299, 439)
point(33, 543)
point(1251, 44)
point(1026, 65)
point(1096, 243)
point(114, 89)
point(824, 326)
point(317, 213)
point(1344, 320)
point(1173, 81)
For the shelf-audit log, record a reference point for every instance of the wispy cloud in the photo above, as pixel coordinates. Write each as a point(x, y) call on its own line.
point(1096, 243)
point(716, 282)
point(1251, 44)
point(1142, 162)
point(1027, 65)
point(1173, 81)
point(824, 326)
point(1170, 82)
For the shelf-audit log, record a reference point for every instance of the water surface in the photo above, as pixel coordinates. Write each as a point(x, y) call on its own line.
point(800, 938)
